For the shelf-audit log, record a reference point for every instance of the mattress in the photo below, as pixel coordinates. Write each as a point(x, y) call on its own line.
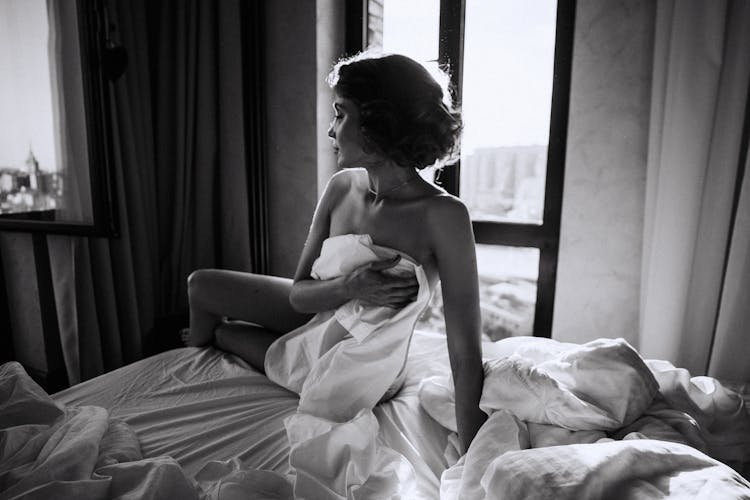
point(198, 405)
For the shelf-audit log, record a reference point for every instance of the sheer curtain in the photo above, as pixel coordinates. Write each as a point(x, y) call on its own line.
point(180, 170)
point(692, 223)
point(71, 147)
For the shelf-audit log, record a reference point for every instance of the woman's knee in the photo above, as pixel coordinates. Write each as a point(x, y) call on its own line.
point(199, 279)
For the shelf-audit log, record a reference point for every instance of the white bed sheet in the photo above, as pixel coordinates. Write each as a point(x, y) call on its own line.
point(203, 406)
point(199, 405)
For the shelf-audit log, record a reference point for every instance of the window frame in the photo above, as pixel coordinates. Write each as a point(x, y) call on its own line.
point(545, 236)
point(93, 38)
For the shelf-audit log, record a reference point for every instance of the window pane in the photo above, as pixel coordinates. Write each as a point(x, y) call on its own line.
point(30, 174)
point(507, 289)
point(409, 28)
point(507, 292)
point(509, 50)
point(44, 123)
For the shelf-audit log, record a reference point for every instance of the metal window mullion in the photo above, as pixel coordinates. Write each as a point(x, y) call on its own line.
point(450, 58)
point(355, 36)
point(553, 190)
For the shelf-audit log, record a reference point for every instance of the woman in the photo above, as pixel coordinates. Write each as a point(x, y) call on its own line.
point(390, 120)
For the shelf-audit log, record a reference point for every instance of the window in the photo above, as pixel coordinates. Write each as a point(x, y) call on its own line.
point(510, 70)
point(54, 175)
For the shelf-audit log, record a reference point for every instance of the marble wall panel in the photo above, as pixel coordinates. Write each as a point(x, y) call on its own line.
point(598, 280)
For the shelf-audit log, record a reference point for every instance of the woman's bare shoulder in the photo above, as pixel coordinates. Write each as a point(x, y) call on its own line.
point(341, 183)
point(451, 238)
point(447, 218)
point(348, 177)
point(446, 208)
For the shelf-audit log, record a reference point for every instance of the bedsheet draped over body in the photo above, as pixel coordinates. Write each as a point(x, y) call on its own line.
point(342, 363)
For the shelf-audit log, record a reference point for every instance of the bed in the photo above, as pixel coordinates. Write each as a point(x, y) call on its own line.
point(185, 420)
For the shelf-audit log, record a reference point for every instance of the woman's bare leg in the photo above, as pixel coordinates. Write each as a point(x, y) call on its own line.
point(215, 294)
point(248, 341)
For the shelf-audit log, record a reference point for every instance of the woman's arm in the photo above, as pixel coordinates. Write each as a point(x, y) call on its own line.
point(455, 252)
point(367, 282)
point(309, 295)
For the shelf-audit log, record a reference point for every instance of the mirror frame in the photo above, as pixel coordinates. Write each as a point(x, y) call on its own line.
point(92, 34)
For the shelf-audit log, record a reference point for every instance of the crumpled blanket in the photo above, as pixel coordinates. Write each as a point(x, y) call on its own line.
point(564, 420)
point(51, 451)
point(342, 363)
point(601, 385)
point(635, 468)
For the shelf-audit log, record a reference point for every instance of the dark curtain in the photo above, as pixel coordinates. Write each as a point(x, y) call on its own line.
point(186, 182)
point(199, 130)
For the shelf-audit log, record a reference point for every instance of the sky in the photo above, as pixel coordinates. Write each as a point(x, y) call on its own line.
point(508, 56)
point(25, 89)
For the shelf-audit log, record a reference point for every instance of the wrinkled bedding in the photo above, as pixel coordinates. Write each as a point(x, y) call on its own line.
point(586, 421)
point(205, 419)
point(48, 450)
point(223, 421)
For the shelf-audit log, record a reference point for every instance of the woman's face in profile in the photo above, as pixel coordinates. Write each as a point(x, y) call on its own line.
point(346, 134)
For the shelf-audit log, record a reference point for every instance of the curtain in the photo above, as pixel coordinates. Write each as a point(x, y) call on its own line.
point(105, 290)
point(731, 351)
point(68, 111)
point(179, 166)
point(701, 74)
point(201, 176)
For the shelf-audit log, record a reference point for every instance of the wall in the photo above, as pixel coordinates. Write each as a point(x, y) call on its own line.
point(599, 266)
point(299, 55)
point(291, 121)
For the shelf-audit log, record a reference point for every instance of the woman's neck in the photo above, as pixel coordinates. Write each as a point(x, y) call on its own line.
point(388, 178)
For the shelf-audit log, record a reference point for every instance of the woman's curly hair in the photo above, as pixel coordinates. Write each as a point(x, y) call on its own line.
point(405, 113)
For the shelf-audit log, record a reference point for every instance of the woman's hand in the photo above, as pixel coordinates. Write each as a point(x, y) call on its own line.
point(371, 285)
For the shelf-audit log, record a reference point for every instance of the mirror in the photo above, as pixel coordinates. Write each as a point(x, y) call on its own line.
point(55, 142)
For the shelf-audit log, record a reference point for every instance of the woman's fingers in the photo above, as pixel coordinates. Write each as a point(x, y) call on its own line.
point(403, 292)
point(378, 287)
point(380, 265)
point(401, 281)
point(394, 297)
